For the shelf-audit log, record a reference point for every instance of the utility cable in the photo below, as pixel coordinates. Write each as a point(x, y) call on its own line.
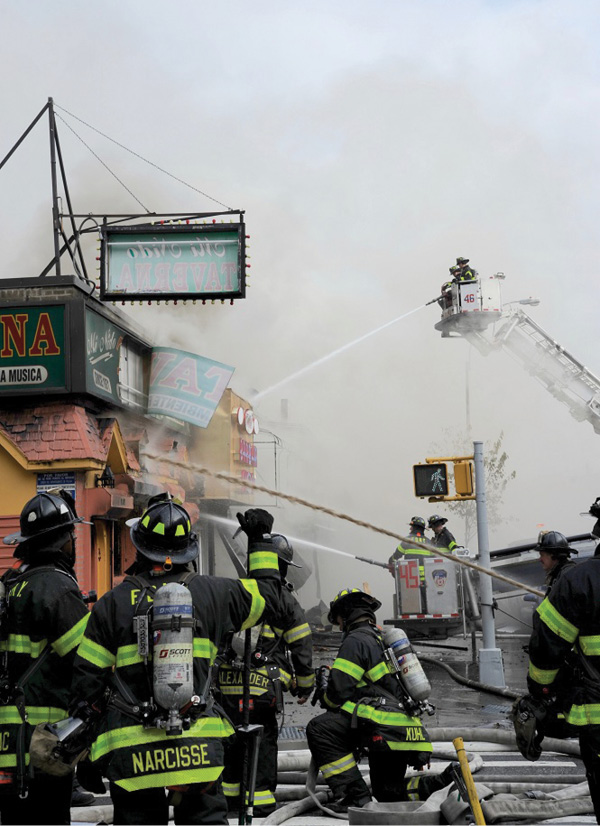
point(98, 158)
point(131, 152)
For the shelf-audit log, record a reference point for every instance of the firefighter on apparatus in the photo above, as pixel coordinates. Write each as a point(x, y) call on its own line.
point(442, 538)
point(408, 550)
point(465, 272)
point(43, 617)
point(565, 644)
point(271, 675)
point(555, 557)
point(133, 747)
point(366, 710)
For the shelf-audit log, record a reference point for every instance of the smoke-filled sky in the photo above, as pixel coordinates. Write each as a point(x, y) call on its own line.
point(370, 145)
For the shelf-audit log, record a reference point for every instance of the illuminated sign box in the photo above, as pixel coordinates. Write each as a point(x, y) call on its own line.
point(173, 262)
point(33, 353)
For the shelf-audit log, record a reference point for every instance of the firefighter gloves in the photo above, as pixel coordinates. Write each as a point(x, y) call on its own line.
point(255, 523)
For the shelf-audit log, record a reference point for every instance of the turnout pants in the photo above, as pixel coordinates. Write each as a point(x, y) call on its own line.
point(265, 715)
point(48, 802)
point(200, 803)
point(334, 744)
point(589, 741)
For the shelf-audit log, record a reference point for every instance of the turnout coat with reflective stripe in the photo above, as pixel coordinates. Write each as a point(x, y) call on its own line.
point(46, 613)
point(569, 618)
point(139, 758)
point(408, 551)
point(288, 631)
point(444, 540)
point(359, 663)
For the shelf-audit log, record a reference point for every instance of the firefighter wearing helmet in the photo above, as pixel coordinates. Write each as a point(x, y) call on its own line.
point(465, 272)
point(555, 555)
point(141, 746)
point(442, 538)
point(365, 710)
point(281, 661)
point(564, 657)
point(42, 623)
point(410, 549)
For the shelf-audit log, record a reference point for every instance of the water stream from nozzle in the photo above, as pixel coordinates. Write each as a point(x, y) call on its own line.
point(333, 354)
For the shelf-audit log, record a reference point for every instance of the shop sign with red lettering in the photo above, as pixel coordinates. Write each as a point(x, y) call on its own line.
point(32, 354)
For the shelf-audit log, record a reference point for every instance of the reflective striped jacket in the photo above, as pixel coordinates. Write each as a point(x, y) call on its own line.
point(46, 613)
point(135, 757)
point(407, 551)
point(289, 631)
point(444, 541)
point(569, 620)
point(359, 663)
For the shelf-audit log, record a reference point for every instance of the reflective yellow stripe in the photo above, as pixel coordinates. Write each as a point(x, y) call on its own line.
point(132, 736)
point(9, 715)
point(556, 622)
point(352, 669)
point(257, 605)
point(176, 778)
point(305, 682)
point(297, 633)
point(128, 655)
point(412, 788)
point(205, 649)
point(262, 561)
point(329, 702)
point(264, 798)
point(22, 644)
point(237, 690)
point(542, 676)
point(590, 645)
point(70, 639)
point(378, 671)
point(231, 789)
point(8, 760)
point(95, 654)
point(344, 764)
point(584, 715)
point(409, 745)
point(390, 718)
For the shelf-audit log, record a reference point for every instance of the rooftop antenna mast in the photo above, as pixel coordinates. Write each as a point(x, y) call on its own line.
point(57, 230)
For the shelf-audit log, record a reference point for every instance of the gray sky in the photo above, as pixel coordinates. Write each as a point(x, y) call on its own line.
point(370, 144)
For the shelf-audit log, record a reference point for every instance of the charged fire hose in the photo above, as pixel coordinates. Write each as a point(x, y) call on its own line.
point(490, 689)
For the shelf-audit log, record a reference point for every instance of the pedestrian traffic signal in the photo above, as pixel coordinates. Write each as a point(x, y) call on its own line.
point(463, 478)
point(431, 480)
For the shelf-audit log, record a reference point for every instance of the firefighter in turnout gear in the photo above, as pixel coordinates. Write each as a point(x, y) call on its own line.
point(442, 538)
point(138, 745)
point(366, 710)
point(408, 551)
point(42, 620)
point(566, 639)
point(272, 673)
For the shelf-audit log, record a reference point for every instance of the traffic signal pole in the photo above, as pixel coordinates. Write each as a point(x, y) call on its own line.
point(491, 669)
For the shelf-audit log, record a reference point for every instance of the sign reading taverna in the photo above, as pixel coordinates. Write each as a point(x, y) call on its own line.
point(173, 261)
point(186, 386)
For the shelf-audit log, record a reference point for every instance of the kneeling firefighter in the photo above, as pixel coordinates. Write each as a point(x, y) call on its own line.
point(369, 708)
point(42, 619)
point(150, 644)
point(287, 638)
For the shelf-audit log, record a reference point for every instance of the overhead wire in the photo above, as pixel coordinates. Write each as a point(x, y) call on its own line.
point(141, 158)
point(98, 158)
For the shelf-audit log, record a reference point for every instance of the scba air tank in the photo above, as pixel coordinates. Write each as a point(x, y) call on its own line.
point(173, 659)
point(408, 666)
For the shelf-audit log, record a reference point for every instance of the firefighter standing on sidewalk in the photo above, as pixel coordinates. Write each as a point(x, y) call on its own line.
point(360, 716)
point(39, 634)
point(566, 637)
point(270, 677)
point(138, 756)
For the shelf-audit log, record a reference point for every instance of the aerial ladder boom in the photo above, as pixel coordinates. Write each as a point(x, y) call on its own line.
point(564, 376)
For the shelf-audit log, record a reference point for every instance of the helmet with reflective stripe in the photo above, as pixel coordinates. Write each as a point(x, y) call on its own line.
point(417, 522)
point(436, 519)
point(348, 601)
point(284, 549)
point(554, 543)
point(45, 513)
point(164, 530)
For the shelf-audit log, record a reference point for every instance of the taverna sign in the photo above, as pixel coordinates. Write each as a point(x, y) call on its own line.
point(166, 262)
